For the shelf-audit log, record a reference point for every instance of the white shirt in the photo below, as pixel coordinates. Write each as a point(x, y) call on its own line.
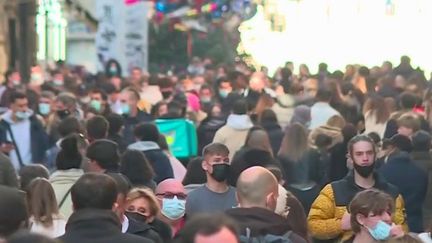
point(125, 224)
point(57, 228)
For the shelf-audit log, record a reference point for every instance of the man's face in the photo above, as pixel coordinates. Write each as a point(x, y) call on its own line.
point(310, 87)
point(224, 235)
point(211, 160)
point(136, 74)
point(170, 189)
point(363, 153)
point(15, 77)
point(127, 97)
point(59, 106)
point(20, 105)
point(257, 84)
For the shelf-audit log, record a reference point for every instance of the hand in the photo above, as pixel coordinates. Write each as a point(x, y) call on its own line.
point(7, 147)
point(346, 221)
point(396, 231)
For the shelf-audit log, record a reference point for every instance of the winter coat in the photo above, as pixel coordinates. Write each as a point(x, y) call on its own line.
point(62, 181)
point(284, 109)
point(411, 182)
point(261, 222)
point(143, 230)
point(8, 176)
point(332, 202)
point(97, 226)
point(207, 130)
point(131, 122)
point(424, 161)
point(157, 158)
point(275, 134)
point(234, 133)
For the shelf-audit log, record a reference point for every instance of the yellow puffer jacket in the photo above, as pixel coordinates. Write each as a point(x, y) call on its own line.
point(326, 213)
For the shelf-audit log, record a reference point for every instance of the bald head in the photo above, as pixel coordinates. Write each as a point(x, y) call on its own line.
point(170, 185)
point(257, 187)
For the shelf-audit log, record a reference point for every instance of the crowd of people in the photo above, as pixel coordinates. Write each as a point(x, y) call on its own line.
point(295, 157)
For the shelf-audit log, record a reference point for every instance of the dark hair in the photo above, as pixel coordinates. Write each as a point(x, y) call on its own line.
point(13, 210)
point(133, 91)
point(369, 201)
point(115, 123)
point(240, 107)
point(97, 127)
point(69, 156)
point(16, 95)
point(42, 201)
point(205, 224)
point(324, 94)
point(421, 141)
point(28, 237)
point(215, 149)
point(30, 172)
point(363, 71)
point(117, 65)
point(106, 153)
point(162, 142)
point(195, 174)
point(360, 138)
point(69, 125)
point(9, 72)
point(147, 132)
point(94, 191)
point(165, 83)
point(122, 183)
point(375, 137)
point(407, 100)
point(268, 116)
point(322, 140)
point(135, 166)
point(101, 92)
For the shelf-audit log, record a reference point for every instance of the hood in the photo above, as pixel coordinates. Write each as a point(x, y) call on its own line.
point(66, 176)
point(285, 100)
point(259, 221)
point(7, 116)
point(239, 122)
point(144, 146)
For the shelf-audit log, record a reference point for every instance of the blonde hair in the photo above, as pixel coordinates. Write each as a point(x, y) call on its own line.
point(336, 121)
point(147, 194)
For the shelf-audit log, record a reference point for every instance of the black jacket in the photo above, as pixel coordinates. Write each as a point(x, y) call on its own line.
point(143, 230)
point(38, 138)
point(97, 226)
point(131, 122)
point(275, 134)
point(411, 182)
point(207, 130)
point(261, 221)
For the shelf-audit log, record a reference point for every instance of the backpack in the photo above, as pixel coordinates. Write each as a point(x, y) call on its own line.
point(268, 238)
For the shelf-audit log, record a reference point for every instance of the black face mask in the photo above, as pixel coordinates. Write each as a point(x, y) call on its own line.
point(220, 172)
point(166, 94)
point(136, 216)
point(364, 171)
point(63, 113)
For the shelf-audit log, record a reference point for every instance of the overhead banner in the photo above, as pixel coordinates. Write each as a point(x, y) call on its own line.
point(122, 34)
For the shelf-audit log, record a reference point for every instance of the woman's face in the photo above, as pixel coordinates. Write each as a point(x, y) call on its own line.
point(141, 206)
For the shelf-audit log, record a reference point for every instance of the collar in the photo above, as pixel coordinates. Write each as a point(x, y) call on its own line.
point(125, 224)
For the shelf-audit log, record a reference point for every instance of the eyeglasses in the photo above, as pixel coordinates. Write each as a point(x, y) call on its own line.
point(169, 195)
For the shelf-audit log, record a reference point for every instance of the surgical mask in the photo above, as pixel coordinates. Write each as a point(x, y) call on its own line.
point(63, 113)
point(223, 93)
point(58, 82)
point(125, 108)
point(113, 70)
point(173, 208)
point(364, 171)
point(381, 231)
point(16, 82)
point(136, 216)
point(22, 115)
point(44, 108)
point(220, 172)
point(205, 99)
point(96, 104)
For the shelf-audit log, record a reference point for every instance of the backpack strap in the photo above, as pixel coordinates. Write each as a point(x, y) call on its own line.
point(8, 127)
point(64, 197)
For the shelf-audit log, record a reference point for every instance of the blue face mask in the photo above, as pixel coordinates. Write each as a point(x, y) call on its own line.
point(96, 104)
point(173, 208)
point(223, 93)
point(44, 108)
point(125, 109)
point(113, 70)
point(381, 231)
point(22, 115)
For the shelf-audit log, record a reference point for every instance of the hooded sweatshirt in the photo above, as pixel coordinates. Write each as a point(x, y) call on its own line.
point(234, 133)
